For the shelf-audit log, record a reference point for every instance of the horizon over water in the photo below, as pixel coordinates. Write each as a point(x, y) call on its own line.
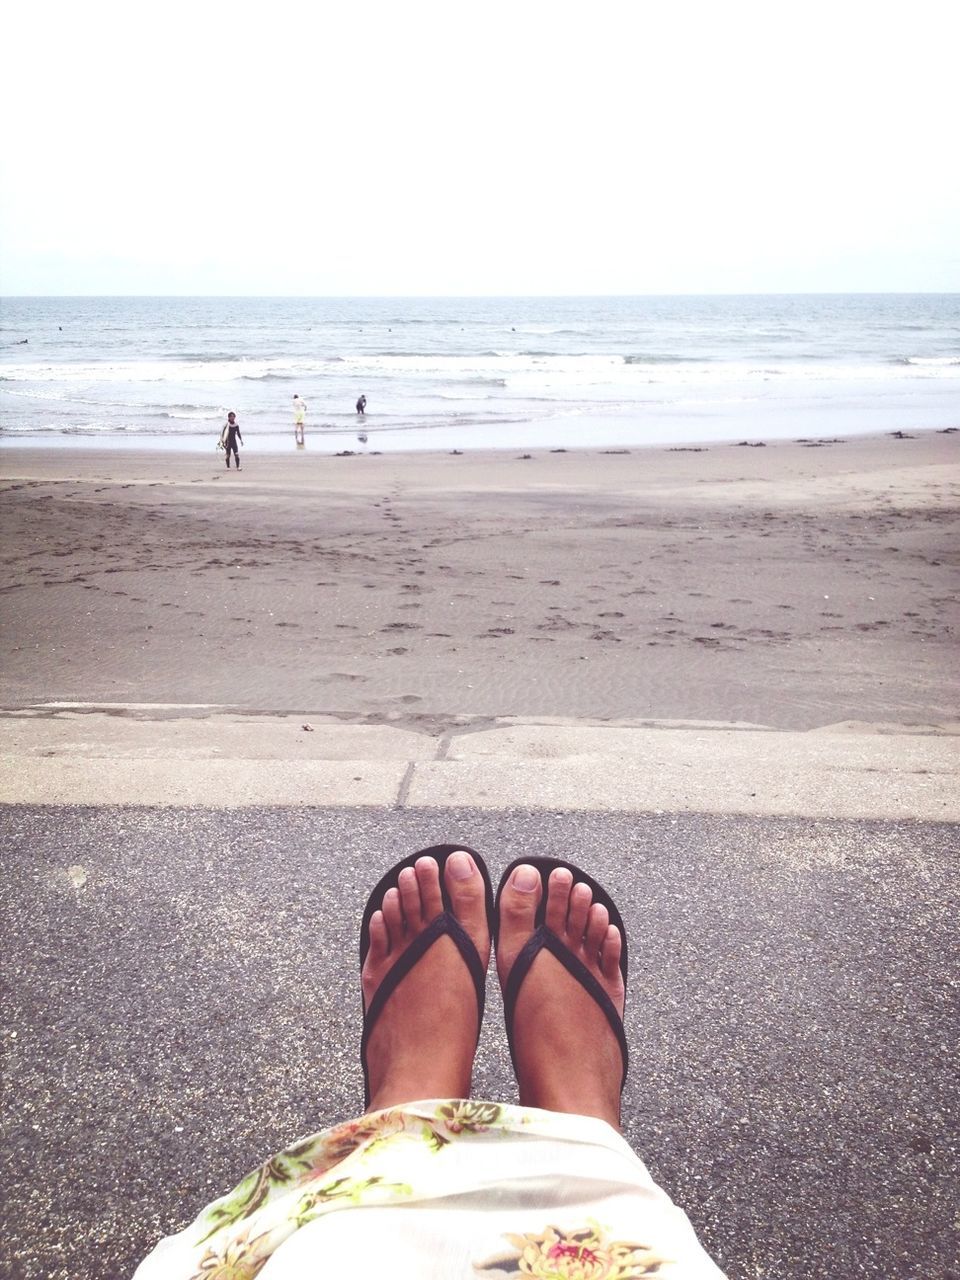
point(469, 373)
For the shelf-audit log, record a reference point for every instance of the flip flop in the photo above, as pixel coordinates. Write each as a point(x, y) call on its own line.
point(445, 923)
point(544, 938)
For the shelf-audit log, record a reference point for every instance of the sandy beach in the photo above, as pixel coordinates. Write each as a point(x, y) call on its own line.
point(791, 585)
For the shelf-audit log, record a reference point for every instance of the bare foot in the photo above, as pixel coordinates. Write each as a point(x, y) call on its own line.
point(566, 1054)
point(425, 1038)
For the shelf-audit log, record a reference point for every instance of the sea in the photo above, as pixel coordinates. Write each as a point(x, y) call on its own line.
point(475, 373)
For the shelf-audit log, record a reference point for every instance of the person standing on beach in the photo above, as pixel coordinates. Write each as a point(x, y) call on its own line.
point(362, 406)
point(299, 418)
point(229, 437)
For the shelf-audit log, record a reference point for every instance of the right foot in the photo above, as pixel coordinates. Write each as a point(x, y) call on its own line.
point(566, 1054)
point(423, 1043)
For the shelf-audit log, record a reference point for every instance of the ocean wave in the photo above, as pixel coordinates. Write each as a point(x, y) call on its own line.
point(133, 371)
point(669, 359)
point(931, 362)
point(189, 413)
point(206, 357)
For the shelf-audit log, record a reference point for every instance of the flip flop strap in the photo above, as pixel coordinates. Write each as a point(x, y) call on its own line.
point(543, 939)
point(443, 924)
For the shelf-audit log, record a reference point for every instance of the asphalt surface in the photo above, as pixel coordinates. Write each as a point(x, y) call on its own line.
point(180, 999)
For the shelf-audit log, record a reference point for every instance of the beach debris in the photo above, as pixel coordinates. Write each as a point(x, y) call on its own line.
point(614, 450)
point(947, 431)
point(456, 453)
point(564, 450)
point(902, 435)
point(307, 728)
point(77, 876)
point(524, 457)
point(750, 444)
point(345, 453)
point(688, 449)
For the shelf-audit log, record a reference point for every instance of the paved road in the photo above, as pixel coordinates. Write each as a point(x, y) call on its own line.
point(181, 999)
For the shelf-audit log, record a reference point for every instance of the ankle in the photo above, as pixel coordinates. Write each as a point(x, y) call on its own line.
point(587, 1096)
point(403, 1083)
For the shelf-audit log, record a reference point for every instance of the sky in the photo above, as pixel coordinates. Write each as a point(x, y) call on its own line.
point(463, 148)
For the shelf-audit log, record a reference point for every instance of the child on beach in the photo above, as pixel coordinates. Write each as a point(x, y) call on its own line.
point(229, 437)
point(299, 417)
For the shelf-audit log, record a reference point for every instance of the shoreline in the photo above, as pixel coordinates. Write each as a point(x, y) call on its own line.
point(340, 441)
point(135, 447)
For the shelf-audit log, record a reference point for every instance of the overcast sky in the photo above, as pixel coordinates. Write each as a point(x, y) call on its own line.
point(437, 147)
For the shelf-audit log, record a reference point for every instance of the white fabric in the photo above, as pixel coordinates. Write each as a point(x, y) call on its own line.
point(443, 1189)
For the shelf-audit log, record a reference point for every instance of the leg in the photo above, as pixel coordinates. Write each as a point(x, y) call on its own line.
point(423, 1043)
point(567, 1057)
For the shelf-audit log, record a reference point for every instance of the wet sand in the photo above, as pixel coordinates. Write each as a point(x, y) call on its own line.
point(792, 585)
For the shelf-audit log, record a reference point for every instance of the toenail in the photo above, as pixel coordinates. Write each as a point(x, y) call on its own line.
point(461, 868)
point(525, 879)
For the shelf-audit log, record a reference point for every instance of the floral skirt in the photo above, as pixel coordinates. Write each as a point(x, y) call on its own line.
point(443, 1189)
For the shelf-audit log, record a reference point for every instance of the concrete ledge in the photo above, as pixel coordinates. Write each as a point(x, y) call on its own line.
point(217, 784)
point(758, 786)
point(850, 775)
point(228, 760)
point(126, 733)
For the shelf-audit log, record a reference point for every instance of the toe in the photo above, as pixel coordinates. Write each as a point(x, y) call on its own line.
point(517, 911)
point(379, 939)
point(409, 888)
point(559, 887)
point(610, 954)
point(466, 889)
point(597, 922)
point(581, 899)
point(428, 880)
point(393, 917)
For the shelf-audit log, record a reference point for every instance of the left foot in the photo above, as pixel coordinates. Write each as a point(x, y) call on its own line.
point(425, 1039)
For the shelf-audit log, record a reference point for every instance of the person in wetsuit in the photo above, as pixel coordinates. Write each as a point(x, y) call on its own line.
point(362, 406)
point(231, 434)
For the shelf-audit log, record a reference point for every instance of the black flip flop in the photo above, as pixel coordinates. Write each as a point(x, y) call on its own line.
point(542, 937)
point(444, 923)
